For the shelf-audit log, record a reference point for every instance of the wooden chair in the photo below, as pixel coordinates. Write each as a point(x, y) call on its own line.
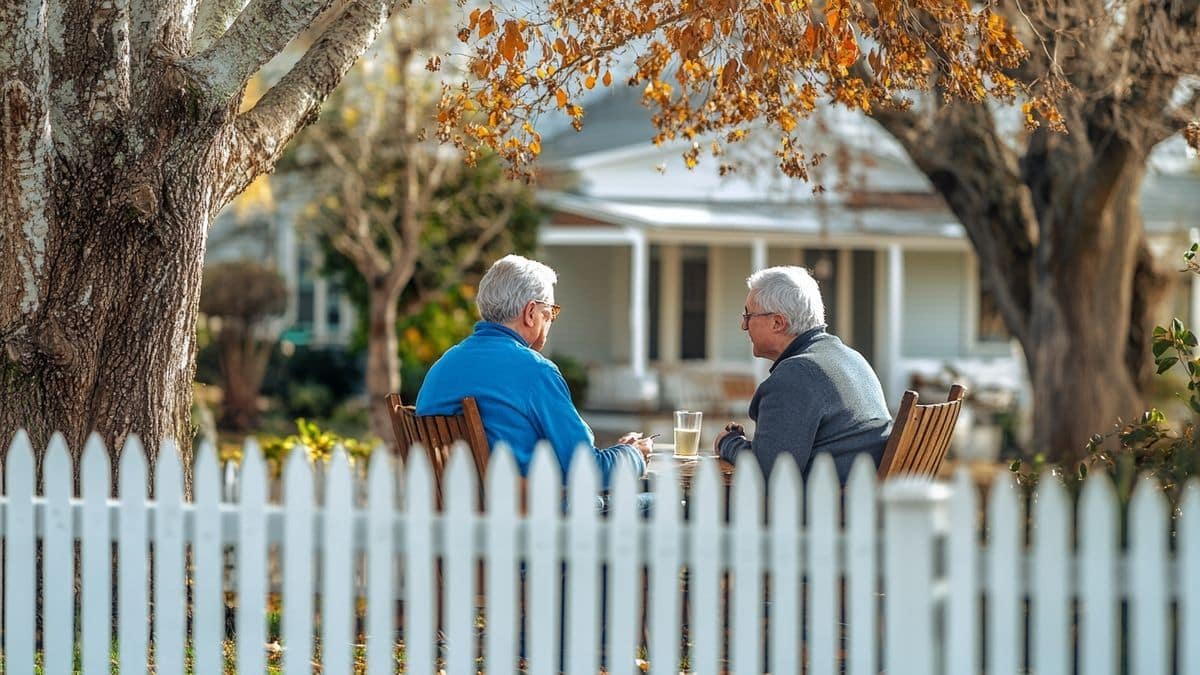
point(437, 433)
point(921, 435)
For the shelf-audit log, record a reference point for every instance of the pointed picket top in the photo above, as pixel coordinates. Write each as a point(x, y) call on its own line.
point(207, 473)
point(298, 505)
point(252, 477)
point(339, 470)
point(58, 558)
point(501, 517)
point(667, 510)
point(1099, 603)
point(545, 482)
point(459, 483)
point(665, 556)
point(1051, 585)
point(132, 469)
point(418, 483)
point(208, 622)
point(502, 485)
point(1148, 554)
point(583, 564)
point(785, 494)
point(381, 567)
point(1189, 591)
point(822, 563)
point(747, 488)
point(381, 473)
point(623, 620)
point(19, 585)
point(296, 468)
point(168, 472)
point(337, 569)
point(861, 565)
point(96, 612)
point(1004, 619)
point(251, 560)
point(707, 514)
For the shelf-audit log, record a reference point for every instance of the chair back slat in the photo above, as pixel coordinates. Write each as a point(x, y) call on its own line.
point(921, 435)
point(437, 434)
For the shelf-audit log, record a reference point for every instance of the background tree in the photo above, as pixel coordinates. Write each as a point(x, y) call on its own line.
point(242, 295)
point(122, 138)
point(409, 216)
point(1052, 215)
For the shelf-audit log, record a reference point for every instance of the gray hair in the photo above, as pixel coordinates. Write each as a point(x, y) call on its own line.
point(792, 292)
point(510, 284)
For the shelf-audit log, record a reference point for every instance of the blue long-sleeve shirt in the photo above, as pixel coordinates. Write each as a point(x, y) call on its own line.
point(522, 399)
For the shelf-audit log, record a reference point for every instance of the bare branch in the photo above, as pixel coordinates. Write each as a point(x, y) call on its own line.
point(213, 18)
point(26, 158)
point(260, 32)
point(266, 129)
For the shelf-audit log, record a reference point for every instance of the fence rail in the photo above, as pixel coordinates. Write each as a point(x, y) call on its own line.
point(907, 577)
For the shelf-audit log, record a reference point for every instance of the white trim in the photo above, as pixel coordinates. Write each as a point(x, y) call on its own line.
point(639, 280)
point(670, 275)
point(895, 327)
point(585, 236)
point(716, 264)
point(845, 300)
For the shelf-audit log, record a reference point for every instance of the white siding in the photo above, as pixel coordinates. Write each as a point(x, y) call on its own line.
point(935, 306)
point(729, 297)
point(785, 255)
point(586, 290)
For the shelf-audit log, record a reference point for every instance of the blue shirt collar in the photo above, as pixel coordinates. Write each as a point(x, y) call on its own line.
point(491, 329)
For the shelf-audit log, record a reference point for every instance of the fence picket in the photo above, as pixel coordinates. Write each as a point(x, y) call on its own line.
point(420, 583)
point(1189, 589)
point(745, 625)
point(706, 566)
point(962, 618)
point(1149, 609)
point(459, 560)
point(821, 566)
point(545, 481)
point(96, 550)
point(132, 555)
point(583, 565)
point(862, 587)
point(251, 561)
point(786, 629)
point(502, 578)
point(337, 570)
point(208, 621)
point(298, 504)
point(170, 611)
point(1098, 600)
point(624, 573)
point(1051, 584)
point(666, 559)
point(19, 588)
point(58, 562)
point(1004, 652)
point(381, 571)
point(910, 517)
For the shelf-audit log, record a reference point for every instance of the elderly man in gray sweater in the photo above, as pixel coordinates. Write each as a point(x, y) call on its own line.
point(821, 395)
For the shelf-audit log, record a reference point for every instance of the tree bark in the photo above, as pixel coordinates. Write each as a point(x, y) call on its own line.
point(119, 147)
point(383, 357)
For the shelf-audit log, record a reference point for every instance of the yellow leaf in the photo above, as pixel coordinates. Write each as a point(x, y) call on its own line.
point(590, 81)
point(535, 147)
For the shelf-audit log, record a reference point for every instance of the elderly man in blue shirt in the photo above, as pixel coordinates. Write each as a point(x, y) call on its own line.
point(821, 395)
point(522, 396)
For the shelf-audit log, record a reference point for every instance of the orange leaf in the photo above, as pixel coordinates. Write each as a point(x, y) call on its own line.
point(847, 51)
point(535, 147)
point(487, 24)
point(607, 78)
point(590, 81)
point(561, 97)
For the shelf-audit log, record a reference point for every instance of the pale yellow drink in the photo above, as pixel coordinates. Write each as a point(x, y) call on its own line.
point(687, 442)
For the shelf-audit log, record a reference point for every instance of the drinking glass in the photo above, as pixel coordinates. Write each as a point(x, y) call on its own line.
point(687, 433)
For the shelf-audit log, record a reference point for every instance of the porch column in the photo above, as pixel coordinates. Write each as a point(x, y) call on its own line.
point(670, 274)
point(758, 261)
point(895, 323)
point(639, 267)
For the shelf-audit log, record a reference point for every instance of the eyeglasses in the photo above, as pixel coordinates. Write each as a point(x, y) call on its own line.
point(746, 316)
point(554, 309)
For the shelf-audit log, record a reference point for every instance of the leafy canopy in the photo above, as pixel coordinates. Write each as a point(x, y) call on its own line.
point(715, 68)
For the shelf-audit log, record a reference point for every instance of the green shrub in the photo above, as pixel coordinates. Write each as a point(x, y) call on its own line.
point(575, 373)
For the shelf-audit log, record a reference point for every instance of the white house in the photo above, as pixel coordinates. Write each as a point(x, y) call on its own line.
point(652, 262)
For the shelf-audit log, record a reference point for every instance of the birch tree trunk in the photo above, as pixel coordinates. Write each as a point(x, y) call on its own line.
point(121, 140)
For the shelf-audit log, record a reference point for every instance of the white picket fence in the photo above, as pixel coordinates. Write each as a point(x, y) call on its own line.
point(897, 579)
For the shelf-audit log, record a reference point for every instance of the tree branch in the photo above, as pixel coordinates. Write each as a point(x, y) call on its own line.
point(259, 33)
point(213, 18)
point(286, 108)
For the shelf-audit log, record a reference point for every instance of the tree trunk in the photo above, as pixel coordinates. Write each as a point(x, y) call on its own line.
point(383, 358)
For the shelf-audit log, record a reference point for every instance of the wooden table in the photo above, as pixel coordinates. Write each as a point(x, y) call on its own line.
point(685, 467)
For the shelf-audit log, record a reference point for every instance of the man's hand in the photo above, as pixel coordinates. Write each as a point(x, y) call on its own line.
point(731, 428)
point(644, 446)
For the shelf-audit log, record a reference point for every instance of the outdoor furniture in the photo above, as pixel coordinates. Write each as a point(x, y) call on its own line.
point(921, 435)
point(437, 434)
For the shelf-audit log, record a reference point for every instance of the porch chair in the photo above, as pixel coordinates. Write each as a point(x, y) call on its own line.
point(921, 435)
point(437, 433)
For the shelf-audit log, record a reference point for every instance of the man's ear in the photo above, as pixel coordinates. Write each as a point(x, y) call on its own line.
point(527, 313)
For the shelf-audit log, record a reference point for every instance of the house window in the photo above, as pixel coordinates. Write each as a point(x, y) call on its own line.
point(990, 327)
point(693, 326)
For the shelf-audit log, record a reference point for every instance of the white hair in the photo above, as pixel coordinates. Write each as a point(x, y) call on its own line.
point(510, 284)
point(792, 292)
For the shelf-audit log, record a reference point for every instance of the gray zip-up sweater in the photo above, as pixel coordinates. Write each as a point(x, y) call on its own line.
point(821, 396)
